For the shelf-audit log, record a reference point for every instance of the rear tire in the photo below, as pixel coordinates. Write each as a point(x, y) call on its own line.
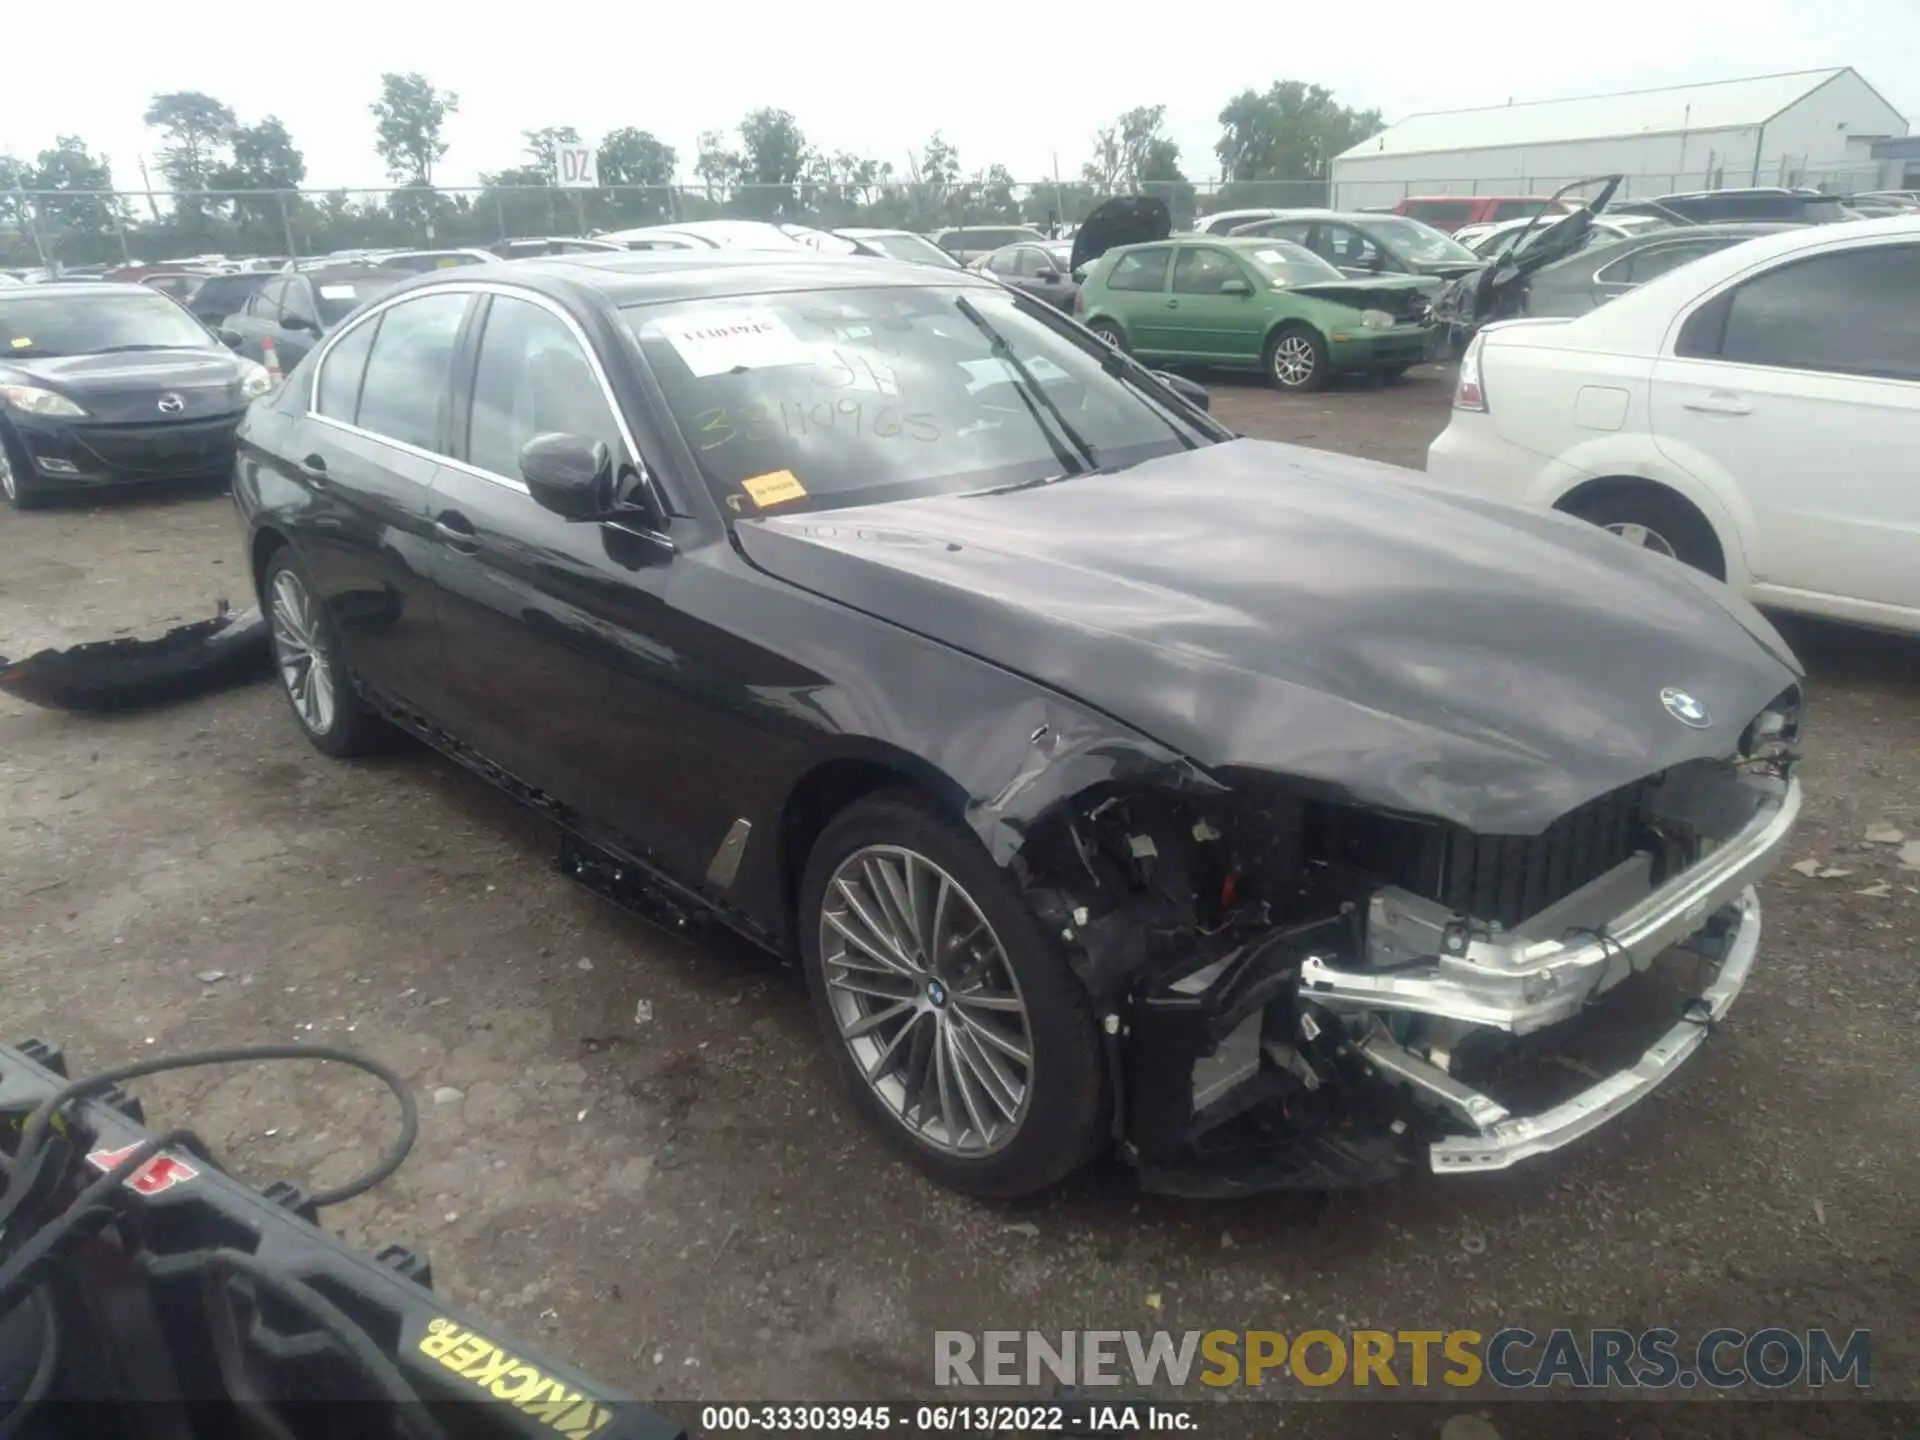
point(1108, 331)
point(312, 667)
point(1297, 360)
point(1657, 520)
point(976, 962)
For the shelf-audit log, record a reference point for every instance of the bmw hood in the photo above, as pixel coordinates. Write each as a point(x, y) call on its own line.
point(1266, 608)
point(130, 386)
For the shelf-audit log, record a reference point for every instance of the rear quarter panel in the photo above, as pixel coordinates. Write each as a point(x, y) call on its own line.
point(1586, 413)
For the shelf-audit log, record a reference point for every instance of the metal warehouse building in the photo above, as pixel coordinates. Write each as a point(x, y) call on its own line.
point(1813, 127)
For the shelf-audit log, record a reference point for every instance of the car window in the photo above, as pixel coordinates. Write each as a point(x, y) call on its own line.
point(1202, 270)
point(338, 299)
point(410, 370)
point(1140, 270)
point(40, 325)
point(810, 401)
point(1346, 246)
point(1517, 209)
point(1454, 212)
point(266, 304)
point(1004, 262)
point(337, 395)
point(1035, 262)
point(1644, 264)
point(532, 378)
point(298, 300)
point(1853, 312)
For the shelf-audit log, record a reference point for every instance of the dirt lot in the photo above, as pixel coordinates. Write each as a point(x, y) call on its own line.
point(683, 1207)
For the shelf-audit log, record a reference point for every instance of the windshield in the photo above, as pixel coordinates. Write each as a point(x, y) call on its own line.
point(899, 245)
point(1285, 263)
point(338, 299)
point(33, 325)
point(1418, 240)
point(818, 400)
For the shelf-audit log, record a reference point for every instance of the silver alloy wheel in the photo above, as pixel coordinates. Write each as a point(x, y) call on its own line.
point(6, 472)
point(926, 1000)
point(1645, 538)
point(296, 646)
point(1108, 334)
point(1293, 360)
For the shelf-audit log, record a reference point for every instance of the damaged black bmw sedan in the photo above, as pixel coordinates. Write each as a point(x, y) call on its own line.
point(1119, 783)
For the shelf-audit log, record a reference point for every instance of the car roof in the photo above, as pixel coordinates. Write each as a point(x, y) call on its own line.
point(354, 272)
point(56, 288)
point(1631, 314)
point(650, 277)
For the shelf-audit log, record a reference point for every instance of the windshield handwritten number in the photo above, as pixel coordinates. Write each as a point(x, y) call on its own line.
point(714, 427)
point(758, 424)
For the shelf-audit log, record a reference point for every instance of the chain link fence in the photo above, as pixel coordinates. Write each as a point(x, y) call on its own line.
point(38, 227)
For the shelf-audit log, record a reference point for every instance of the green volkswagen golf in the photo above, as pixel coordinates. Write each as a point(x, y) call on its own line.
point(1245, 303)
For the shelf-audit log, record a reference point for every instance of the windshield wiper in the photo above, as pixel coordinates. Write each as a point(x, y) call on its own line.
point(1029, 390)
point(123, 349)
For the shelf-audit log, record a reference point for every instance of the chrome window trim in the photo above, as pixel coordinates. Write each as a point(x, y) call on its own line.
point(478, 287)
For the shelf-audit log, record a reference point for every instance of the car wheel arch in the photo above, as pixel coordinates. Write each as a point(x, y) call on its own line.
point(266, 543)
point(1606, 487)
point(835, 783)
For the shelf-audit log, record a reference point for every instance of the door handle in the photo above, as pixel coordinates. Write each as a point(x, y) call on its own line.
point(457, 531)
point(1718, 403)
point(314, 467)
point(1173, 305)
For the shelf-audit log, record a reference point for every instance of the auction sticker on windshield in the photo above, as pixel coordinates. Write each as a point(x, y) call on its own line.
point(719, 342)
point(336, 292)
point(774, 488)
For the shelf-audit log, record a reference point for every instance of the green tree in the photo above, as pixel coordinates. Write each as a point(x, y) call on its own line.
point(196, 131)
point(933, 200)
point(718, 166)
point(1276, 146)
point(543, 147)
point(409, 116)
point(773, 157)
point(77, 222)
point(264, 158)
point(636, 157)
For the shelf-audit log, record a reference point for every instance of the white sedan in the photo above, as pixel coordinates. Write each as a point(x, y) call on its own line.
point(1754, 413)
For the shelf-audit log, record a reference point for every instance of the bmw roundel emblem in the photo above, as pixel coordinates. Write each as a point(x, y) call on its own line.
point(937, 993)
point(1684, 708)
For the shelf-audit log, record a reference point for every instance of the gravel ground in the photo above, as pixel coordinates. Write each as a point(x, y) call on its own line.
point(632, 1155)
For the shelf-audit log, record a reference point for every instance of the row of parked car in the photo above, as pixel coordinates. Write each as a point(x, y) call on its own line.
point(1299, 297)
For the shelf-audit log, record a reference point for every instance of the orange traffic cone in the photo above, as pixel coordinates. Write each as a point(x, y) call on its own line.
point(270, 356)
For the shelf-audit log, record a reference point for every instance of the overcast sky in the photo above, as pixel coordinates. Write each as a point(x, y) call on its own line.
point(879, 79)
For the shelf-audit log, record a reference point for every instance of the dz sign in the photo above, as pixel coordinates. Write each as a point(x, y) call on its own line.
point(576, 168)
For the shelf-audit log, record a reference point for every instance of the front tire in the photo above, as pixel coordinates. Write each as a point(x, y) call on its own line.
point(1110, 332)
point(1660, 521)
point(17, 484)
point(951, 1015)
point(313, 670)
point(1297, 360)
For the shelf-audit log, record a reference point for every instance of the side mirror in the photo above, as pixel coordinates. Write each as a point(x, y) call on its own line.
point(229, 338)
point(1194, 394)
point(568, 474)
point(297, 322)
point(1049, 277)
point(1378, 260)
point(1235, 287)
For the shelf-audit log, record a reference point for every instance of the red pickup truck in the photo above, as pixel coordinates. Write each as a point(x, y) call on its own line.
point(1450, 212)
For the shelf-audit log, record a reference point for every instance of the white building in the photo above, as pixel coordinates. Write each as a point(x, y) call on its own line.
point(1813, 127)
